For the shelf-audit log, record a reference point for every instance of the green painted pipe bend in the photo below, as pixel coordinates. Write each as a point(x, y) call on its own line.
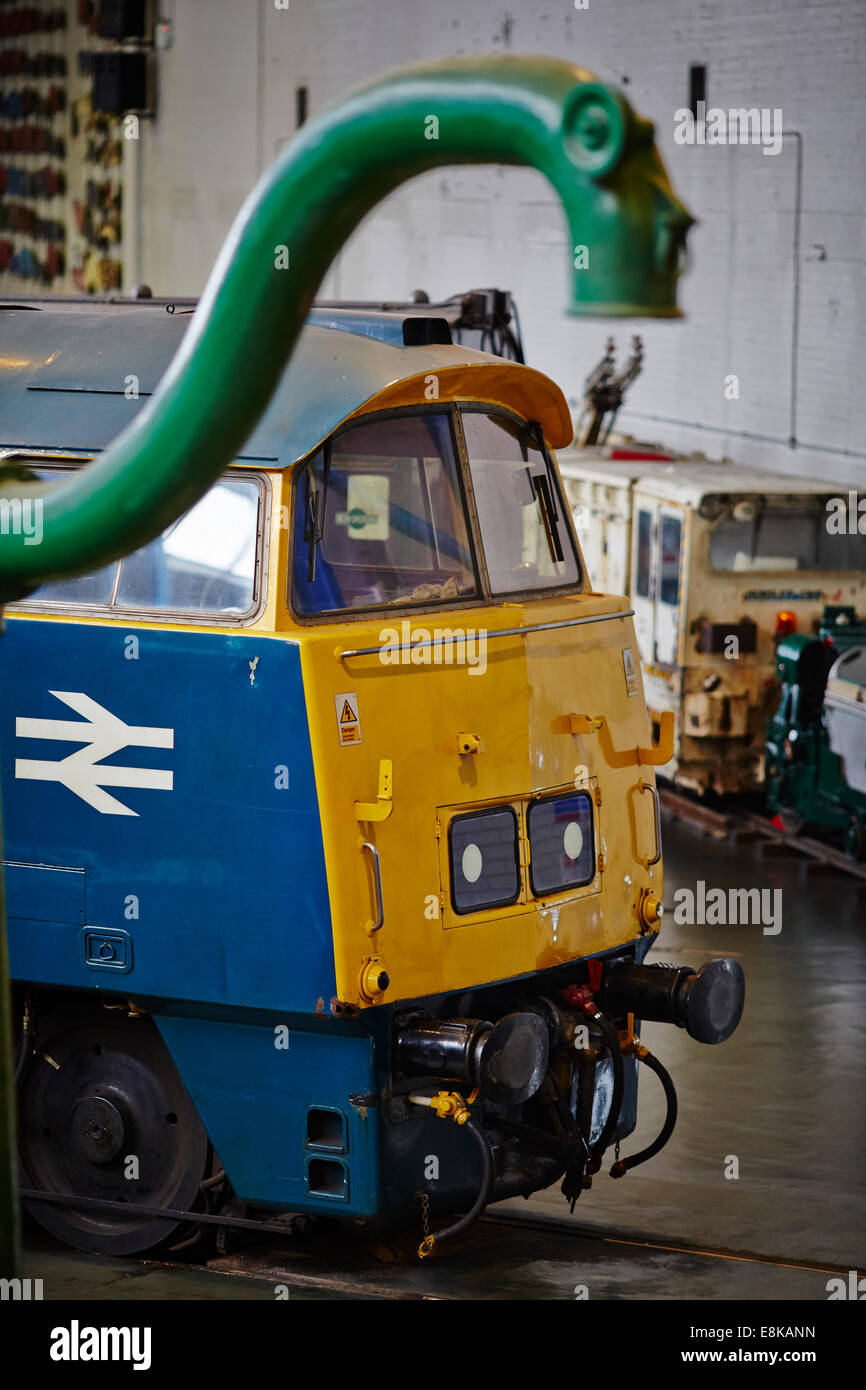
point(599, 156)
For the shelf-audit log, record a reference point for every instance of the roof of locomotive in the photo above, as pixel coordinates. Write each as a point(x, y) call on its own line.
point(588, 464)
point(689, 480)
point(64, 365)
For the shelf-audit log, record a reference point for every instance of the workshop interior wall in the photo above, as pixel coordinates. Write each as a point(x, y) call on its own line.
point(227, 99)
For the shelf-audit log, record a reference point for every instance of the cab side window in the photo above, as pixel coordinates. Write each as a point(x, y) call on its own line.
point(207, 562)
point(204, 563)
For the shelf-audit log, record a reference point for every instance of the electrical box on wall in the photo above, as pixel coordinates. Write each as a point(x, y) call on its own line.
point(119, 82)
point(122, 19)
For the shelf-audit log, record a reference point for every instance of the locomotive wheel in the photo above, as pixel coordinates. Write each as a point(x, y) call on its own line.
point(109, 1103)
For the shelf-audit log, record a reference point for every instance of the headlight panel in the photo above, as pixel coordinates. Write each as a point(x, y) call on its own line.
point(561, 843)
point(484, 857)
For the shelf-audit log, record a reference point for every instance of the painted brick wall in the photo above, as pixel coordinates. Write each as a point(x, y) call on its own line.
point(227, 104)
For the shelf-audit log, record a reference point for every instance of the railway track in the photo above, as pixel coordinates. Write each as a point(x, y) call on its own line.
point(509, 1254)
point(747, 827)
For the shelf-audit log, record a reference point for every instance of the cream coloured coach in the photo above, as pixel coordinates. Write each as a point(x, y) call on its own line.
point(717, 562)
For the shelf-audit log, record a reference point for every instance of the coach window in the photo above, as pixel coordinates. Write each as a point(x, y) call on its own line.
point(644, 552)
point(782, 534)
point(669, 589)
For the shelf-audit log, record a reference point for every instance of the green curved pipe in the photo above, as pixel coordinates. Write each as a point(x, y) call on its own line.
point(583, 136)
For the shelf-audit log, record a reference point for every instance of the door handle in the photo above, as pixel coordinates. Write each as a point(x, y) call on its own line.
point(647, 787)
point(374, 926)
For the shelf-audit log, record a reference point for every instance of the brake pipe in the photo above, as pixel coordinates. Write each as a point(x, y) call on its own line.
point(633, 1048)
point(451, 1105)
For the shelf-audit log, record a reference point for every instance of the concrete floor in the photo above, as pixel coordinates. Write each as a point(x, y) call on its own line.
point(496, 1263)
point(784, 1096)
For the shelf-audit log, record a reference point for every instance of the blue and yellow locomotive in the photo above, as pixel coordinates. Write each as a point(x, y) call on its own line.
point(332, 837)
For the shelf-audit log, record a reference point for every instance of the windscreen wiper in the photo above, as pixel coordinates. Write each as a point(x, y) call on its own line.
point(314, 524)
point(541, 488)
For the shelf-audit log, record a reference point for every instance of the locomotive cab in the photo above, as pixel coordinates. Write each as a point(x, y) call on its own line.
point(360, 859)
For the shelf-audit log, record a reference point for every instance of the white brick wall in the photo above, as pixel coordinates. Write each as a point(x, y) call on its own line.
point(226, 105)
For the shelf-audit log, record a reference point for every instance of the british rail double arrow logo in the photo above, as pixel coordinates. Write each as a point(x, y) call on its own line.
point(83, 771)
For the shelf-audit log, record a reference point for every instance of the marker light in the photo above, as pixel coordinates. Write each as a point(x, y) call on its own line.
point(485, 864)
point(786, 622)
point(562, 850)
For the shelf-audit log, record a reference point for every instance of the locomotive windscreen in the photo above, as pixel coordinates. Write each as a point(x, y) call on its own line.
point(781, 535)
point(381, 514)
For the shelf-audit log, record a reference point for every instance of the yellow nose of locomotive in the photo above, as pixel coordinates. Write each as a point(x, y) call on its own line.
point(479, 730)
point(483, 820)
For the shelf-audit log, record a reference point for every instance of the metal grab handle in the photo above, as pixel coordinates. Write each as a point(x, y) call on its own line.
point(377, 880)
point(655, 756)
point(411, 646)
point(646, 787)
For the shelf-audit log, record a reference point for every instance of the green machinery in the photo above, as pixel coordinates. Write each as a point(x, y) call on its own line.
point(816, 740)
point(626, 232)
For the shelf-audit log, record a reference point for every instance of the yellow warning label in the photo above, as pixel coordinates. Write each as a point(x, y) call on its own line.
point(629, 670)
point(348, 719)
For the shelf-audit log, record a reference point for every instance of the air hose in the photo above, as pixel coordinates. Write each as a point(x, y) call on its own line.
point(458, 1227)
point(621, 1167)
point(451, 1105)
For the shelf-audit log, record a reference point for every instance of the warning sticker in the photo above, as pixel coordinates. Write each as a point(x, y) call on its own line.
point(348, 719)
point(629, 669)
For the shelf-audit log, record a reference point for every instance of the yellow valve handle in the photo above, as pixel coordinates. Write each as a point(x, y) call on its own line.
point(450, 1105)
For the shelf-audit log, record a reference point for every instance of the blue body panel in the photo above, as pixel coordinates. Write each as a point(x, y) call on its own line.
point(210, 902)
point(216, 887)
point(254, 1098)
